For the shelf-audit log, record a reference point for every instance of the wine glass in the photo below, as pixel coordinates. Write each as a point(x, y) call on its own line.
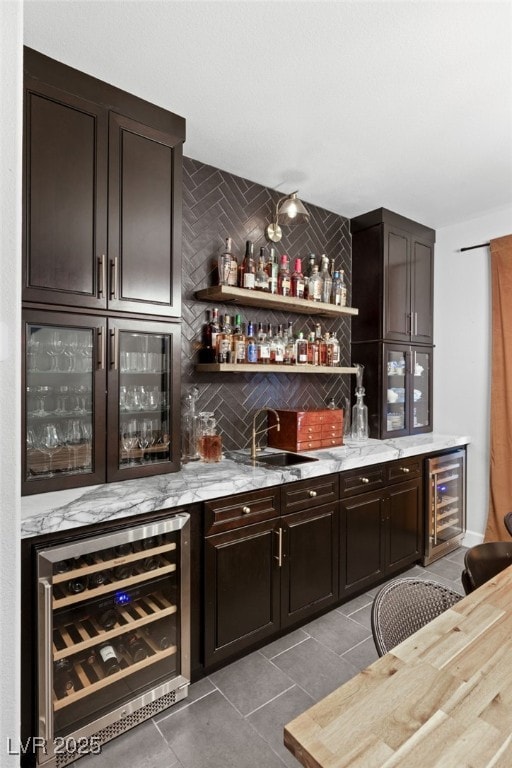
point(129, 439)
point(73, 438)
point(55, 349)
point(87, 434)
point(49, 443)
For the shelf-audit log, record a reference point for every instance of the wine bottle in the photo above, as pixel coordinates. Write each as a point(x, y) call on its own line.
point(108, 659)
point(297, 280)
point(248, 267)
point(283, 277)
point(159, 634)
point(63, 682)
point(106, 617)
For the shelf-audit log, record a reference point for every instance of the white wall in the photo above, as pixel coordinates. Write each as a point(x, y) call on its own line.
point(462, 333)
point(11, 72)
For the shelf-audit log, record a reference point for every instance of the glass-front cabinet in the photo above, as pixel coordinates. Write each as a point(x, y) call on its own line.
point(407, 373)
point(101, 399)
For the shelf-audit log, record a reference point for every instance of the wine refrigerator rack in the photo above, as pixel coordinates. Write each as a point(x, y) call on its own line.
point(113, 628)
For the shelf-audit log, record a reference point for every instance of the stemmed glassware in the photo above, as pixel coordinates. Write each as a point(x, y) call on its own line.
point(129, 439)
point(74, 438)
point(49, 443)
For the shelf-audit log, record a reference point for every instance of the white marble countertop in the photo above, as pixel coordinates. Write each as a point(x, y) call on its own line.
point(196, 482)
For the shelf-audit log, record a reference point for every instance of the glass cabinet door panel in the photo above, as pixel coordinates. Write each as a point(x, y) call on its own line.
point(143, 397)
point(421, 389)
point(396, 368)
point(59, 393)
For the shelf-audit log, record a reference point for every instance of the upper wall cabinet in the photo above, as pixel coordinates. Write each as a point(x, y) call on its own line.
point(392, 278)
point(102, 195)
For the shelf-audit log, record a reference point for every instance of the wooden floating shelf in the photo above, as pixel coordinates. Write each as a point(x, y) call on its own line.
point(226, 293)
point(270, 368)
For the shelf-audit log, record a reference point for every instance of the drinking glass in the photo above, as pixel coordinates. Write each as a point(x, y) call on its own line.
point(50, 443)
point(129, 439)
point(87, 434)
point(73, 438)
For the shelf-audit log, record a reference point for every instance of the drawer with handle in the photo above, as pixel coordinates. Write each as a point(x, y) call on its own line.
point(363, 479)
point(241, 509)
point(309, 493)
point(403, 469)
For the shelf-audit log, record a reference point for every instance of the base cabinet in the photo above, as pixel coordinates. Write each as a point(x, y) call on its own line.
point(263, 577)
point(381, 531)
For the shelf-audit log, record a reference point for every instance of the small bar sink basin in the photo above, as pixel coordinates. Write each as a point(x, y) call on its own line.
point(283, 459)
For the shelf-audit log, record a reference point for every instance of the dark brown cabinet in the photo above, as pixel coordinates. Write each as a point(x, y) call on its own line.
point(392, 279)
point(102, 195)
point(381, 531)
point(101, 399)
point(265, 571)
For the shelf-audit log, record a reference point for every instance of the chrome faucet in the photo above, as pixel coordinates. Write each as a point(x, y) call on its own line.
point(255, 432)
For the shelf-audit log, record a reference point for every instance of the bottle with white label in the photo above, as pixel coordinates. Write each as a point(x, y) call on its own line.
point(248, 267)
point(108, 659)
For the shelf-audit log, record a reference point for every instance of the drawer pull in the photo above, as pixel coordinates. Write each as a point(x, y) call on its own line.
point(405, 470)
point(312, 494)
point(246, 510)
point(364, 480)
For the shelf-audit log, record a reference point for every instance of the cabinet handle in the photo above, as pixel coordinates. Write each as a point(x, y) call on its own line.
point(405, 470)
point(101, 349)
point(279, 556)
point(114, 340)
point(46, 657)
point(113, 278)
point(101, 275)
point(312, 494)
point(246, 510)
point(364, 480)
point(415, 323)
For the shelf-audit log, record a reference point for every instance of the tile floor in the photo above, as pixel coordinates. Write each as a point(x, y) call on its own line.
point(235, 717)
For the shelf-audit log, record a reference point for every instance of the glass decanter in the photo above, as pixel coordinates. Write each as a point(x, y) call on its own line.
point(190, 427)
point(359, 410)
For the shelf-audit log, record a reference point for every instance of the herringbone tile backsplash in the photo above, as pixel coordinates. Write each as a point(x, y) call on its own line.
point(217, 205)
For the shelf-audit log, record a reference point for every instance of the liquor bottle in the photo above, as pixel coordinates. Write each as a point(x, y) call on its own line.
point(337, 290)
point(248, 267)
point(261, 277)
point(326, 280)
point(207, 352)
point(250, 348)
point(297, 280)
point(159, 634)
point(271, 343)
point(262, 345)
point(108, 659)
point(343, 289)
point(307, 274)
point(224, 262)
point(283, 277)
point(272, 269)
point(224, 341)
point(238, 342)
point(302, 350)
point(63, 681)
point(335, 350)
point(289, 346)
point(313, 352)
point(315, 285)
point(279, 345)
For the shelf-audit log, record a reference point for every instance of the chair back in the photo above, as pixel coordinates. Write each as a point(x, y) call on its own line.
point(508, 522)
point(405, 605)
point(483, 561)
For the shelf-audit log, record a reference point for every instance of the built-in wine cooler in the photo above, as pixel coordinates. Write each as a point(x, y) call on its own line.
point(113, 635)
point(445, 504)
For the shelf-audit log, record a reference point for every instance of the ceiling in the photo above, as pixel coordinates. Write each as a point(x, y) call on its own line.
point(406, 105)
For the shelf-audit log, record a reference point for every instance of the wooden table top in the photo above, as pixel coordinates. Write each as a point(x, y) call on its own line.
point(440, 699)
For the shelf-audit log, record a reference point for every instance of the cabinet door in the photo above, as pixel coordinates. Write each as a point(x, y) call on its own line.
point(65, 189)
point(143, 398)
point(309, 576)
point(422, 291)
point(420, 390)
point(362, 544)
point(144, 207)
point(404, 518)
point(397, 285)
point(63, 409)
point(396, 395)
point(241, 589)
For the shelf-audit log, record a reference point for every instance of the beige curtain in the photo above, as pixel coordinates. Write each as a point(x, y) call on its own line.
point(500, 497)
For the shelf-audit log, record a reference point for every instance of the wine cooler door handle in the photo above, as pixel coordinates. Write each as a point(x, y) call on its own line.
point(46, 665)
